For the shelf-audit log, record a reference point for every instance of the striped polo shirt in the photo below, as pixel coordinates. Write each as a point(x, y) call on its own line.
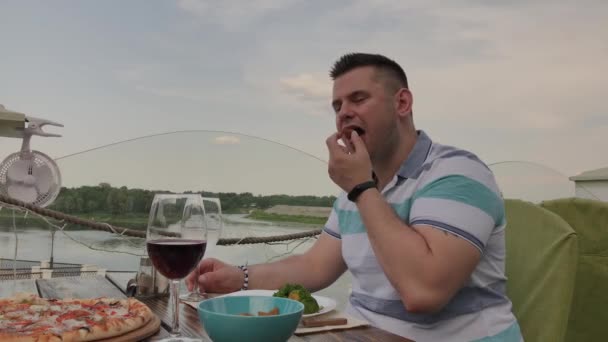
point(454, 191)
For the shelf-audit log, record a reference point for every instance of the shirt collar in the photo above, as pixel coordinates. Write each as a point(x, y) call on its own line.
point(417, 156)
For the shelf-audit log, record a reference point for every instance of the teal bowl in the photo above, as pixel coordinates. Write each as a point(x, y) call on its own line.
point(222, 319)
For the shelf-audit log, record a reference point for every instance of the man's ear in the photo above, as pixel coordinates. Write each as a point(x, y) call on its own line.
point(404, 101)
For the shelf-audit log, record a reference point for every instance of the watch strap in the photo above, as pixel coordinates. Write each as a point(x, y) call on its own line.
point(359, 189)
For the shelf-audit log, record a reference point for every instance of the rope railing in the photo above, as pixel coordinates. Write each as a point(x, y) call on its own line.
point(102, 226)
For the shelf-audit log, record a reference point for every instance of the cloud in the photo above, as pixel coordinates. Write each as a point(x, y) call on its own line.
point(515, 81)
point(226, 140)
point(170, 81)
point(474, 64)
point(480, 58)
point(196, 7)
point(523, 75)
point(307, 87)
point(145, 78)
point(180, 93)
point(232, 14)
point(137, 72)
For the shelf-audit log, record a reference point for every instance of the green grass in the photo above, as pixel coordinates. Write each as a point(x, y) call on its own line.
point(263, 216)
point(6, 220)
point(130, 220)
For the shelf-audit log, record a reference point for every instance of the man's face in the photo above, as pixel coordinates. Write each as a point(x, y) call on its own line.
point(362, 103)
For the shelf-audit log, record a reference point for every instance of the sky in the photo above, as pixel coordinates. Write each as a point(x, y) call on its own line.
point(516, 80)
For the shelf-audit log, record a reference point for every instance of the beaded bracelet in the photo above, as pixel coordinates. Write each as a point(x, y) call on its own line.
point(246, 271)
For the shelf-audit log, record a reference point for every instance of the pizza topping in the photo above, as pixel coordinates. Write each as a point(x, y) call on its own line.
point(21, 323)
point(73, 323)
point(74, 314)
point(38, 307)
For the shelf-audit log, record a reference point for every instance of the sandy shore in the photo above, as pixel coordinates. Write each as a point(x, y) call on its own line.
point(299, 210)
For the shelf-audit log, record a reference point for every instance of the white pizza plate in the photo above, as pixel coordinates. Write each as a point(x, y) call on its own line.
point(326, 304)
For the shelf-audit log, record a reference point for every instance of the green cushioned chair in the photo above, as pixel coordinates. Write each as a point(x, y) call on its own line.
point(589, 312)
point(541, 267)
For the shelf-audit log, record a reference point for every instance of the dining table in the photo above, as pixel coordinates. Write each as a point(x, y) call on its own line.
point(115, 286)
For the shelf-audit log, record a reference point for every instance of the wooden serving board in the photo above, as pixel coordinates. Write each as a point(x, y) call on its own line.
point(151, 328)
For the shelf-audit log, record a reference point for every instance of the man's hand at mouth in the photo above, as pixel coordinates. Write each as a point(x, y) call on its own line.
point(345, 136)
point(348, 166)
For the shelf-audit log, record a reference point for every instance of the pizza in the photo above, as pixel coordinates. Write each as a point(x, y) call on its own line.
point(27, 317)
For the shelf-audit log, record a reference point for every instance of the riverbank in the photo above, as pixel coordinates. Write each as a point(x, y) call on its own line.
point(131, 221)
point(139, 221)
point(265, 216)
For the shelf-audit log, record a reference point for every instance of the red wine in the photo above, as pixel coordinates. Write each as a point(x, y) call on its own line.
point(175, 258)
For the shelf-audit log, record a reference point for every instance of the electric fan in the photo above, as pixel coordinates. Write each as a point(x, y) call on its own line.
point(30, 176)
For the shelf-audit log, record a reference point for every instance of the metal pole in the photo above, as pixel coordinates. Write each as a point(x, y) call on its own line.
point(52, 243)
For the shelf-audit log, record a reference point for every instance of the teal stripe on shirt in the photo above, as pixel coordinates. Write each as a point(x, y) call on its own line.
point(465, 190)
point(350, 221)
point(511, 334)
point(455, 187)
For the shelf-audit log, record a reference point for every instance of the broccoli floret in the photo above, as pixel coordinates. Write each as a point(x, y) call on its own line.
point(295, 295)
point(287, 289)
point(301, 294)
point(310, 305)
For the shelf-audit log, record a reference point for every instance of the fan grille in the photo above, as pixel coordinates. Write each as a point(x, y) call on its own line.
point(39, 159)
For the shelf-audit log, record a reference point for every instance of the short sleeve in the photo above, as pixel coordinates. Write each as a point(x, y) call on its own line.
point(332, 226)
point(461, 197)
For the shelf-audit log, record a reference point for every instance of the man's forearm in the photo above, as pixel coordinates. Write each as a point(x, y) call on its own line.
point(316, 269)
point(294, 269)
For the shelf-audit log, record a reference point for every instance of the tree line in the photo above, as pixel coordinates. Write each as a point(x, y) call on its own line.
point(104, 198)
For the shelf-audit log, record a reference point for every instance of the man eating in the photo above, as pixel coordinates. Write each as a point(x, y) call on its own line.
point(420, 225)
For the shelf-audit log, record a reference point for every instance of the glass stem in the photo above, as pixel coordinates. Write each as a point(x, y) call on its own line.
point(175, 307)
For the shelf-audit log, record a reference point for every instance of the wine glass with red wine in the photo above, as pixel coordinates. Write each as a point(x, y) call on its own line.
point(176, 241)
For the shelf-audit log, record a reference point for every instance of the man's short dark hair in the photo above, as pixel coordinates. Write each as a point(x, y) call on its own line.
point(384, 64)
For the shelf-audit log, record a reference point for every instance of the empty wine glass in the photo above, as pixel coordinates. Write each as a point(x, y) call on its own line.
point(214, 224)
point(213, 220)
point(176, 241)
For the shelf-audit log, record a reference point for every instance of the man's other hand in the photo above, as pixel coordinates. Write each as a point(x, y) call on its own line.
point(215, 276)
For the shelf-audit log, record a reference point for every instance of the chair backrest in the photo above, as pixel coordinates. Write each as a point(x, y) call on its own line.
point(589, 312)
point(541, 267)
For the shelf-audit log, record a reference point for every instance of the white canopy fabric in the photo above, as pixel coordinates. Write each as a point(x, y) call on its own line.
point(592, 175)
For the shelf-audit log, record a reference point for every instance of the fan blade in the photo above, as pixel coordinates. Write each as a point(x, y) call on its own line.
point(44, 178)
point(26, 194)
point(18, 171)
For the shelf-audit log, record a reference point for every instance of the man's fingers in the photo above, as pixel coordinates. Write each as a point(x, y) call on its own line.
point(203, 281)
point(356, 142)
point(333, 146)
point(206, 265)
point(350, 148)
point(343, 147)
point(190, 279)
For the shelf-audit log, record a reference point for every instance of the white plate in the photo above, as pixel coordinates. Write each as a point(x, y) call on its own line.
point(326, 304)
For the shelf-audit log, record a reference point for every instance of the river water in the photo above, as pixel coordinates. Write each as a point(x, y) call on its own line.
point(120, 253)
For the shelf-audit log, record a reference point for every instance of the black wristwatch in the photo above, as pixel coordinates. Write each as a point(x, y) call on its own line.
point(358, 190)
